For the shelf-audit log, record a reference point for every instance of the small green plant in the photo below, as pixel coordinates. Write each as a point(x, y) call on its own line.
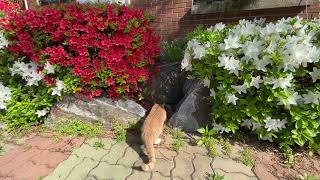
point(134, 126)
point(178, 136)
point(289, 157)
point(206, 135)
point(216, 176)
point(177, 145)
point(98, 145)
point(172, 51)
point(75, 128)
point(227, 147)
point(119, 130)
point(307, 177)
point(246, 158)
point(212, 148)
point(1, 148)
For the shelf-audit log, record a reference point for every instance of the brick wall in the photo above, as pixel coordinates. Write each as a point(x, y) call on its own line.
point(173, 18)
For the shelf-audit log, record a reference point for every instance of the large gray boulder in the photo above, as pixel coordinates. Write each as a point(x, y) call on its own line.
point(166, 86)
point(193, 110)
point(100, 109)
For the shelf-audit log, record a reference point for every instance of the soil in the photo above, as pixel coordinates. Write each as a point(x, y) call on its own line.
point(270, 161)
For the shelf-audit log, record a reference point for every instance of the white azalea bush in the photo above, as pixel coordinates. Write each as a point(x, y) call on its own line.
point(262, 76)
point(25, 98)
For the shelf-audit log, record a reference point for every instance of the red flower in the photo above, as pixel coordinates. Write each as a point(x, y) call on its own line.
point(110, 82)
point(98, 45)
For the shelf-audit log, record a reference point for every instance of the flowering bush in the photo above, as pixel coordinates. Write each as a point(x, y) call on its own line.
point(262, 76)
point(85, 49)
point(108, 47)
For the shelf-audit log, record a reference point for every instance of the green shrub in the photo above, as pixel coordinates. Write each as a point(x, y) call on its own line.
point(262, 76)
point(172, 51)
point(75, 128)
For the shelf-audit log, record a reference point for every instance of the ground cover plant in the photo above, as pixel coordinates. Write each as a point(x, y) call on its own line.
point(87, 49)
point(262, 76)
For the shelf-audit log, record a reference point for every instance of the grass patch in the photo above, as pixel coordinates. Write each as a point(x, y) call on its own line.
point(307, 177)
point(212, 148)
point(215, 176)
point(246, 158)
point(177, 145)
point(1, 148)
point(75, 128)
point(178, 142)
point(98, 145)
point(119, 130)
point(226, 146)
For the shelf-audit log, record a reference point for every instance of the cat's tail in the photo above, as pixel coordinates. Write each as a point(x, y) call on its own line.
point(151, 156)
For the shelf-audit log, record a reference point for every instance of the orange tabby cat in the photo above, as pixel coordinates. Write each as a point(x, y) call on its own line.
point(151, 130)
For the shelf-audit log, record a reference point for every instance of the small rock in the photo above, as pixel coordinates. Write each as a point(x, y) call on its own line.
point(99, 109)
point(193, 110)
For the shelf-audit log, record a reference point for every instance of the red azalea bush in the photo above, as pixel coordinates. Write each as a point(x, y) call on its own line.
point(108, 47)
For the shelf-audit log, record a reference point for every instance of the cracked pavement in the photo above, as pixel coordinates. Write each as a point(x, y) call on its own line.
point(77, 159)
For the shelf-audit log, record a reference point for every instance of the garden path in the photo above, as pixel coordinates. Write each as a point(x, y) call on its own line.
point(41, 157)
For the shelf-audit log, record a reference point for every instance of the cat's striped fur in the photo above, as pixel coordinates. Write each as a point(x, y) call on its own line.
point(151, 131)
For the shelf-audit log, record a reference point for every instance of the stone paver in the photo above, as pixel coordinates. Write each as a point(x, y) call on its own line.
point(202, 166)
point(104, 170)
point(137, 174)
point(117, 161)
point(116, 153)
point(80, 171)
point(183, 166)
point(232, 169)
point(63, 170)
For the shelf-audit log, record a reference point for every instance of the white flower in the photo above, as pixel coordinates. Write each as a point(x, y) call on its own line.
point(283, 83)
point(275, 124)
point(272, 47)
point(240, 89)
point(315, 74)
point(298, 24)
point(232, 99)
point(261, 64)
point(59, 87)
point(41, 113)
point(185, 63)
point(291, 100)
point(5, 96)
point(33, 78)
point(219, 26)
point(28, 72)
point(247, 123)
point(3, 41)
point(267, 138)
point(252, 49)
point(255, 81)
point(230, 64)
point(212, 93)
point(199, 50)
point(206, 82)
point(49, 67)
point(311, 98)
point(256, 126)
point(219, 128)
point(232, 42)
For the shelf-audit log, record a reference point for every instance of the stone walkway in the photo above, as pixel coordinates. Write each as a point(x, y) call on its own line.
point(67, 160)
point(123, 160)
